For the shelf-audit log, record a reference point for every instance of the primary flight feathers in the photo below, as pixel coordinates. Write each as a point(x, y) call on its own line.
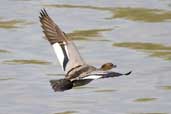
point(67, 54)
point(50, 29)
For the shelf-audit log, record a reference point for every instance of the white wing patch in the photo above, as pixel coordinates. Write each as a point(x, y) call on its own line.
point(60, 54)
point(92, 77)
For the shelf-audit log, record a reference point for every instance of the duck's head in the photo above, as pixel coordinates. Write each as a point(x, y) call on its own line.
point(107, 66)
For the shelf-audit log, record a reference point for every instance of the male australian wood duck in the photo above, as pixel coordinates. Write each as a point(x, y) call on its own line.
point(77, 72)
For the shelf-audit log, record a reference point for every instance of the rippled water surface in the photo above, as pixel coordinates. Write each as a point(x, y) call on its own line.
point(133, 34)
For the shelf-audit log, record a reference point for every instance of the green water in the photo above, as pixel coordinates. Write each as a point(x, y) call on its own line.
point(155, 50)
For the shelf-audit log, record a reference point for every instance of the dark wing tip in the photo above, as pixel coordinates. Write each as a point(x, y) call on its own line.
point(50, 29)
point(43, 13)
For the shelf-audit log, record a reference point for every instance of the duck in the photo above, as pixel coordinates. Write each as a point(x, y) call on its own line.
point(77, 71)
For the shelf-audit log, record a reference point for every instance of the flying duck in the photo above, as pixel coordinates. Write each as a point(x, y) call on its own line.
point(77, 72)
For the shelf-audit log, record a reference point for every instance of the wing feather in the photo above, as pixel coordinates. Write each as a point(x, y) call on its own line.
point(67, 53)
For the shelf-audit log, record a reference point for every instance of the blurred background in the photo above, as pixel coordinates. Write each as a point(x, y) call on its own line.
point(133, 34)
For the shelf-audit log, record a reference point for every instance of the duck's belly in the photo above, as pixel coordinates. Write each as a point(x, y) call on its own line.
point(92, 77)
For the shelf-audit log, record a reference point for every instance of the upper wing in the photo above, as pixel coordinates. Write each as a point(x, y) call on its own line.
point(66, 52)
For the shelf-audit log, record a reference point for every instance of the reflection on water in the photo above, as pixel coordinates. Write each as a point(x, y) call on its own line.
point(21, 0)
point(67, 112)
point(166, 87)
point(148, 113)
point(143, 46)
point(4, 51)
point(144, 99)
point(142, 14)
point(5, 79)
point(15, 61)
point(55, 74)
point(134, 14)
point(11, 24)
point(76, 6)
point(155, 50)
point(87, 34)
point(165, 55)
point(83, 87)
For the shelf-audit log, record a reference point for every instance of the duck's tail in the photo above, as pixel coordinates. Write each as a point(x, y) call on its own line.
point(61, 84)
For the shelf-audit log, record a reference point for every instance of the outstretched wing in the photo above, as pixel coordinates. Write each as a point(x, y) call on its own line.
point(66, 51)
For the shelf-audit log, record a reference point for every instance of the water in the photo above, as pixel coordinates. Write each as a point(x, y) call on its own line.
point(133, 34)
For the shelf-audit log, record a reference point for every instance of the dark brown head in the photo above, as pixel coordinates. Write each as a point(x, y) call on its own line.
point(107, 66)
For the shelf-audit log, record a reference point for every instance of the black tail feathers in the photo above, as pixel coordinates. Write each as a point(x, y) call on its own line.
point(61, 84)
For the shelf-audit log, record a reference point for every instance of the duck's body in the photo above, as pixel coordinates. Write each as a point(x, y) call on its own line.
point(77, 71)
